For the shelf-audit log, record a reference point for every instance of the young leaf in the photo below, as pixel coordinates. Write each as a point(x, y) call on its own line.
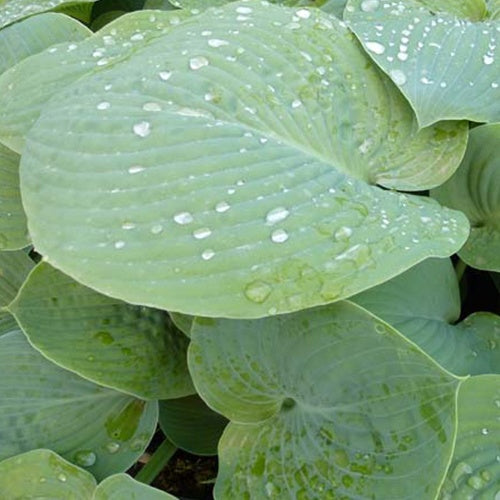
point(44, 474)
point(445, 66)
point(275, 208)
point(424, 304)
point(475, 190)
point(475, 469)
point(44, 406)
point(324, 403)
point(13, 229)
point(111, 343)
point(36, 34)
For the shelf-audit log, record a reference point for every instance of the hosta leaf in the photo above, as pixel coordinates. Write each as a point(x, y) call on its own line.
point(325, 403)
point(275, 209)
point(44, 474)
point(123, 487)
point(44, 406)
point(446, 67)
point(183, 322)
point(14, 268)
point(26, 88)
point(13, 230)
point(474, 10)
point(424, 304)
point(475, 190)
point(35, 34)
point(191, 425)
point(15, 10)
point(475, 468)
point(125, 347)
point(494, 9)
point(335, 7)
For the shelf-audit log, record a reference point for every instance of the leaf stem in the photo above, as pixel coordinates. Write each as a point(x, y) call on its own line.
point(157, 462)
point(460, 269)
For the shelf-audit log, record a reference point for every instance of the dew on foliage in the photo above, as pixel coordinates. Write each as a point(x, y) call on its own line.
point(62, 477)
point(128, 225)
point(484, 431)
point(276, 215)
point(343, 233)
point(142, 129)
point(488, 59)
point(207, 254)
point(303, 13)
point(296, 103)
point(370, 5)
point(164, 75)
point(375, 47)
point(279, 236)
point(151, 106)
point(183, 218)
point(244, 10)
point(258, 291)
point(85, 458)
point(222, 207)
point(398, 76)
point(157, 229)
point(119, 244)
point(198, 62)
point(216, 43)
point(202, 233)
point(136, 169)
point(112, 447)
point(103, 105)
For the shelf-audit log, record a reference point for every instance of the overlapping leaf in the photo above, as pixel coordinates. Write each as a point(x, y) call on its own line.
point(125, 347)
point(475, 190)
point(324, 403)
point(44, 406)
point(242, 162)
point(123, 487)
point(424, 304)
point(13, 229)
point(475, 469)
point(447, 67)
point(36, 34)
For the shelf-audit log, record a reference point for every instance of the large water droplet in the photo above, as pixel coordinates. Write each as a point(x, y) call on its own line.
point(112, 447)
point(103, 105)
point(343, 233)
point(276, 215)
point(165, 75)
point(85, 458)
point(216, 43)
point(258, 291)
point(279, 236)
point(62, 477)
point(475, 482)
point(303, 13)
point(398, 76)
point(183, 218)
point(207, 254)
point(222, 207)
point(198, 62)
point(119, 244)
point(202, 233)
point(369, 5)
point(135, 169)
point(484, 431)
point(142, 129)
point(375, 47)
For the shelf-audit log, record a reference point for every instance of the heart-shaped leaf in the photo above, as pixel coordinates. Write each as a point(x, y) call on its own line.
point(475, 469)
point(475, 190)
point(275, 209)
point(424, 304)
point(36, 34)
point(445, 66)
point(44, 406)
point(44, 474)
point(123, 487)
point(191, 425)
point(125, 347)
point(13, 230)
point(324, 403)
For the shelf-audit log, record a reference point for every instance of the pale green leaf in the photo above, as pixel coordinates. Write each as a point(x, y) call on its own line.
point(183, 322)
point(123, 487)
point(275, 207)
point(475, 468)
point(42, 474)
point(446, 67)
point(26, 87)
point(475, 190)
point(494, 9)
point(118, 345)
point(14, 268)
point(474, 10)
point(424, 304)
point(44, 406)
point(191, 425)
point(15, 10)
point(13, 229)
point(36, 34)
point(325, 403)
point(335, 7)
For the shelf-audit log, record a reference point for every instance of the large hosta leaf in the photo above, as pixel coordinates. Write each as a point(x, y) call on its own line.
point(424, 304)
point(15, 10)
point(475, 189)
point(112, 343)
point(44, 406)
point(26, 88)
point(445, 66)
point(243, 162)
point(325, 403)
point(13, 230)
point(35, 34)
point(475, 468)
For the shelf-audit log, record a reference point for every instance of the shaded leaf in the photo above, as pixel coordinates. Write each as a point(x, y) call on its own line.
point(44, 406)
point(275, 209)
point(324, 403)
point(445, 66)
point(475, 190)
point(14, 268)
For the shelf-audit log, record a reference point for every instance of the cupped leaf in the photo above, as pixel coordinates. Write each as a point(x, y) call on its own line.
point(475, 469)
point(325, 403)
point(275, 208)
point(36, 34)
point(26, 87)
point(475, 190)
point(13, 228)
point(191, 425)
point(43, 474)
point(445, 66)
point(424, 304)
point(15, 10)
point(125, 347)
point(44, 406)
point(123, 487)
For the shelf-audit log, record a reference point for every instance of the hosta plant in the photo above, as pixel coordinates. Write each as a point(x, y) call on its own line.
point(230, 224)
